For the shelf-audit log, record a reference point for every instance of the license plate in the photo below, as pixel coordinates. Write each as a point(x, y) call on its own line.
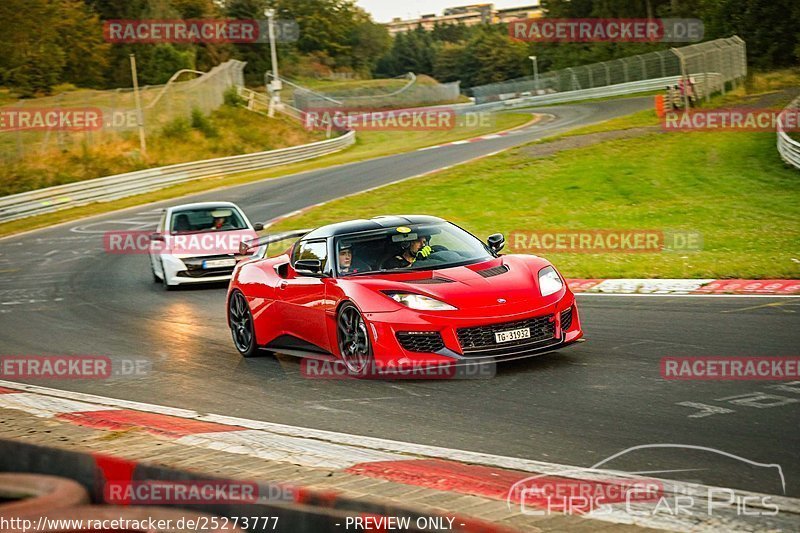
point(219, 263)
point(513, 335)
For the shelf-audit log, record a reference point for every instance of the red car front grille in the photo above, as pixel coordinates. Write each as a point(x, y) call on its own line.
point(480, 340)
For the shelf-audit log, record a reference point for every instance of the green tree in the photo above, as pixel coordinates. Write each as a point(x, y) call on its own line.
point(368, 42)
point(43, 43)
point(86, 54)
point(449, 62)
point(492, 56)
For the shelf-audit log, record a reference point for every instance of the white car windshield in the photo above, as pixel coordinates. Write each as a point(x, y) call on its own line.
point(413, 247)
point(207, 219)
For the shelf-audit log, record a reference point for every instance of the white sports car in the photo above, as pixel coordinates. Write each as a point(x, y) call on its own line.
point(198, 243)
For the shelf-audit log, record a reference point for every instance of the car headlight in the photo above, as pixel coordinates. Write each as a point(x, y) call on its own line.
point(419, 302)
point(549, 281)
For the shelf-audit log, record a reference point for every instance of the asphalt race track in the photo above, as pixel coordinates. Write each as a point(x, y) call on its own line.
point(61, 294)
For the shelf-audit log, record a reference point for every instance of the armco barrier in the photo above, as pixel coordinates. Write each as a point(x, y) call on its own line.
point(59, 197)
point(788, 148)
point(297, 509)
point(620, 89)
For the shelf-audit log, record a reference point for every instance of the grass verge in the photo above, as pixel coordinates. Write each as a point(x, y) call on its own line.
point(369, 144)
point(731, 187)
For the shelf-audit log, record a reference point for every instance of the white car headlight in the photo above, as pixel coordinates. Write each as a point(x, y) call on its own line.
point(419, 302)
point(549, 281)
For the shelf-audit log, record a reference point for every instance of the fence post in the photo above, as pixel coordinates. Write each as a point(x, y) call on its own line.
point(684, 76)
point(59, 132)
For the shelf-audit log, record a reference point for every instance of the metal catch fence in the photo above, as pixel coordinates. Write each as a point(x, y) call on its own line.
point(412, 94)
point(711, 65)
point(160, 105)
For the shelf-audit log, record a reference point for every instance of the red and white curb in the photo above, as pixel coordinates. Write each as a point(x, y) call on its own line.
point(467, 141)
point(741, 287)
point(490, 136)
point(458, 471)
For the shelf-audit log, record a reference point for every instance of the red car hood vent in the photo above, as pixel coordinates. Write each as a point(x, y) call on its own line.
point(430, 281)
point(494, 271)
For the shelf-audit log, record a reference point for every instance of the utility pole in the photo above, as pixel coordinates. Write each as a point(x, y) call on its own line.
point(139, 113)
point(535, 72)
point(275, 85)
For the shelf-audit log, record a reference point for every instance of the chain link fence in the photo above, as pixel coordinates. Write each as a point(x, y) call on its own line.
point(414, 93)
point(711, 64)
point(161, 104)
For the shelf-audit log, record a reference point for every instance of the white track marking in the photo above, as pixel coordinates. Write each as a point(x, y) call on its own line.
point(47, 406)
point(650, 286)
point(296, 450)
point(96, 400)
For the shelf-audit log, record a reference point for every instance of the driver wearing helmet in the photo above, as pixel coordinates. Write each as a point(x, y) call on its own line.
point(221, 219)
point(410, 252)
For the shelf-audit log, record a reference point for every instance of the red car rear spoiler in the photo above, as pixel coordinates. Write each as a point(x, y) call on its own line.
point(264, 240)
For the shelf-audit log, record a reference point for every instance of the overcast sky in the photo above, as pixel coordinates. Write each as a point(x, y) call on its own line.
point(386, 10)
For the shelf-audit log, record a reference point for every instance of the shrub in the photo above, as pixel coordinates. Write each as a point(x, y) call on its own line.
point(177, 128)
point(204, 124)
point(232, 98)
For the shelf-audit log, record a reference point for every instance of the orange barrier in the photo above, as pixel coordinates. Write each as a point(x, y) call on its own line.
point(660, 105)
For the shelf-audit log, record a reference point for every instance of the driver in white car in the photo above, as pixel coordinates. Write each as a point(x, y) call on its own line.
point(222, 220)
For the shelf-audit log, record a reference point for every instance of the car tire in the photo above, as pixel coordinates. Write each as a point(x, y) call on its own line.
point(353, 339)
point(156, 279)
point(240, 320)
point(164, 282)
point(34, 493)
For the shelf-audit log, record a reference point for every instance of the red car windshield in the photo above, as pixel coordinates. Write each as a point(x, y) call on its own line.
point(402, 248)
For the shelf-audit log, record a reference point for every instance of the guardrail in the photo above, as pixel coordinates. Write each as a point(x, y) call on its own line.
point(788, 148)
point(51, 199)
point(619, 89)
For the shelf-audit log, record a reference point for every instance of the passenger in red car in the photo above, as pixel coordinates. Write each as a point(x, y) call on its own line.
point(346, 260)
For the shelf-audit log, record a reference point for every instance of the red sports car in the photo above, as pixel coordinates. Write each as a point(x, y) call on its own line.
point(395, 292)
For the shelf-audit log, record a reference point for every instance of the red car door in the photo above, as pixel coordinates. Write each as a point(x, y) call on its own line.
point(303, 297)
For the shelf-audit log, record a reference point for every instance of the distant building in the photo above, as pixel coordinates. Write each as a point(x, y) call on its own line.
point(470, 15)
point(513, 13)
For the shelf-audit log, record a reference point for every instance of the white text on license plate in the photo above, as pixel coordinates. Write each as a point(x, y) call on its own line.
point(513, 335)
point(218, 263)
